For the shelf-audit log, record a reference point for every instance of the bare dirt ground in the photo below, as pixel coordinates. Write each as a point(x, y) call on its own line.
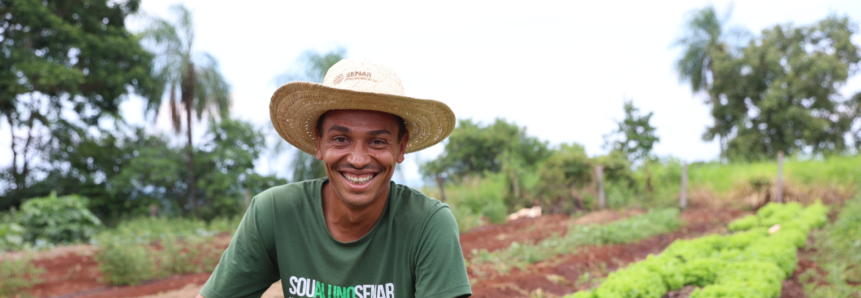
point(74, 273)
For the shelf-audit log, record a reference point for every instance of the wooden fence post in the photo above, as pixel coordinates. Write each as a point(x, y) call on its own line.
point(779, 192)
point(683, 197)
point(599, 175)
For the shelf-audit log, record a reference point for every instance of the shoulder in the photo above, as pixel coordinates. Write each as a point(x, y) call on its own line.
point(287, 197)
point(290, 191)
point(414, 207)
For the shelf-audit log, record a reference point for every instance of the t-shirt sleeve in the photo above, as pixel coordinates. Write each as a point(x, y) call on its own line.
point(248, 267)
point(440, 270)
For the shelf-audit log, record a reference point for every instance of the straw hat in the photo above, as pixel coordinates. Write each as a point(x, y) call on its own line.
point(354, 84)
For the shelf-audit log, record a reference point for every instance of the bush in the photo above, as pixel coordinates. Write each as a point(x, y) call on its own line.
point(17, 276)
point(123, 261)
point(145, 248)
point(58, 220)
point(11, 236)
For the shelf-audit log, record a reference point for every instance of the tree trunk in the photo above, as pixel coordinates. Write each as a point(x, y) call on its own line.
point(441, 185)
point(188, 86)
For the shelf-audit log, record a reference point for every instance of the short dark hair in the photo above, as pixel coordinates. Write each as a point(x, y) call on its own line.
point(402, 126)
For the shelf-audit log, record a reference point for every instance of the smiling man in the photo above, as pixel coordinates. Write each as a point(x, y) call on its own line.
point(355, 233)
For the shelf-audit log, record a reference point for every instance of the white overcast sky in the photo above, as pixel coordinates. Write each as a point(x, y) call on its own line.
point(560, 68)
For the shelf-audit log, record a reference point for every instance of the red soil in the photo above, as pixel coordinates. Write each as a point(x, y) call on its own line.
point(559, 276)
point(77, 275)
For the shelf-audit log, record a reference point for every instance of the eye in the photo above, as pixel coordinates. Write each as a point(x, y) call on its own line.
point(378, 142)
point(339, 139)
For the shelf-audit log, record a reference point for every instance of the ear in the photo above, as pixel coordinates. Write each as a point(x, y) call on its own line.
point(319, 146)
point(403, 147)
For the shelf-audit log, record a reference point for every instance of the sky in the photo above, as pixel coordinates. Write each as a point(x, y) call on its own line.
point(560, 68)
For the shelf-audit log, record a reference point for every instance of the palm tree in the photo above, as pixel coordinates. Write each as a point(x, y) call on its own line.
point(703, 39)
point(311, 66)
point(196, 76)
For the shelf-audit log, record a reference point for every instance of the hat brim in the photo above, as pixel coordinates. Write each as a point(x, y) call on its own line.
point(296, 107)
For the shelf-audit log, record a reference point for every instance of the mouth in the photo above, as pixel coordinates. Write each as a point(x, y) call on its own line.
point(358, 179)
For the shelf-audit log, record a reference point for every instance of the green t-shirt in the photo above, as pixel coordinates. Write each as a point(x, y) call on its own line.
point(412, 251)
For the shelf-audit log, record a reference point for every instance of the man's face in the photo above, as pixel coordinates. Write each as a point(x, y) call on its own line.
point(360, 150)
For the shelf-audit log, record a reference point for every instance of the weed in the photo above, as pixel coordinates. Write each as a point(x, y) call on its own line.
point(18, 275)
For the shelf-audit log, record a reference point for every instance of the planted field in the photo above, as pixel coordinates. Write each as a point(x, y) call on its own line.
point(752, 262)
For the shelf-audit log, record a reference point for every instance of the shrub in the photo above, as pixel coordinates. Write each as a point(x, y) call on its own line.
point(11, 236)
point(58, 220)
point(124, 261)
point(17, 276)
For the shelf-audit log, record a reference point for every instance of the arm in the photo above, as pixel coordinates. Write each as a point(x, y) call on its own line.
point(440, 269)
point(248, 267)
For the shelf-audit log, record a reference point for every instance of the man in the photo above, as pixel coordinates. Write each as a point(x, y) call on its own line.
point(355, 233)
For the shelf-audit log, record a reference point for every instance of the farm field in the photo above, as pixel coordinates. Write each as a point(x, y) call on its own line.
point(72, 271)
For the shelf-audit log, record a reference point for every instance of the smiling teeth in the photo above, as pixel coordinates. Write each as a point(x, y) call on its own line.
point(358, 180)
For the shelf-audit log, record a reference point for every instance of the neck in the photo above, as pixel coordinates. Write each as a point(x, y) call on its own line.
point(349, 223)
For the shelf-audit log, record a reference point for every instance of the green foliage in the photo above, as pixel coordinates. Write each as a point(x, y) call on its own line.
point(837, 252)
point(11, 236)
point(518, 254)
point(474, 149)
point(750, 263)
point(475, 197)
point(59, 58)
point(777, 93)
point(146, 248)
point(202, 88)
point(224, 170)
point(18, 275)
point(635, 136)
point(58, 220)
point(123, 261)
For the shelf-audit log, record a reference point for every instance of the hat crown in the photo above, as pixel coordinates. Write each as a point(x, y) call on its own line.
point(363, 76)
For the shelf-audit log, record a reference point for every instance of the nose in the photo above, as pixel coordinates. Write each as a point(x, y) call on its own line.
point(359, 156)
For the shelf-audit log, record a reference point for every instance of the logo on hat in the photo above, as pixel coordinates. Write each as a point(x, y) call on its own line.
point(338, 79)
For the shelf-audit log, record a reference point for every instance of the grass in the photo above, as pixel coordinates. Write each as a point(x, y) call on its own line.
point(520, 255)
point(837, 171)
point(17, 276)
point(146, 248)
point(837, 251)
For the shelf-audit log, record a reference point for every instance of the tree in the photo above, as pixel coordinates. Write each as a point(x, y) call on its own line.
point(634, 136)
point(474, 149)
point(781, 93)
point(201, 86)
point(703, 43)
point(311, 66)
point(56, 55)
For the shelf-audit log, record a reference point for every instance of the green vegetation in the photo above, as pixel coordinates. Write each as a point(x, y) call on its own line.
point(519, 255)
point(749, 263)
point(58, 220)
point(17, 276)
point(146, 248)
point(778, 91)
point(837, 252)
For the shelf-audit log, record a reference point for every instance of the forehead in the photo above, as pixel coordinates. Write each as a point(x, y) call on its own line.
point(359, 119)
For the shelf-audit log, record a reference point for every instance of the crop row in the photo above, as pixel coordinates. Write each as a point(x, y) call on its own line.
point(518, 254)
point(751, 262)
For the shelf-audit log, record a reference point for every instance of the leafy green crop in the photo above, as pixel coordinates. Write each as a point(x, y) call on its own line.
point(749, 263)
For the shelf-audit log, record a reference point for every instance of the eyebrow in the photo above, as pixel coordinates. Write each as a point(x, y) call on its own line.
point(339, 128)
point(379, 132)
point(343, 129)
